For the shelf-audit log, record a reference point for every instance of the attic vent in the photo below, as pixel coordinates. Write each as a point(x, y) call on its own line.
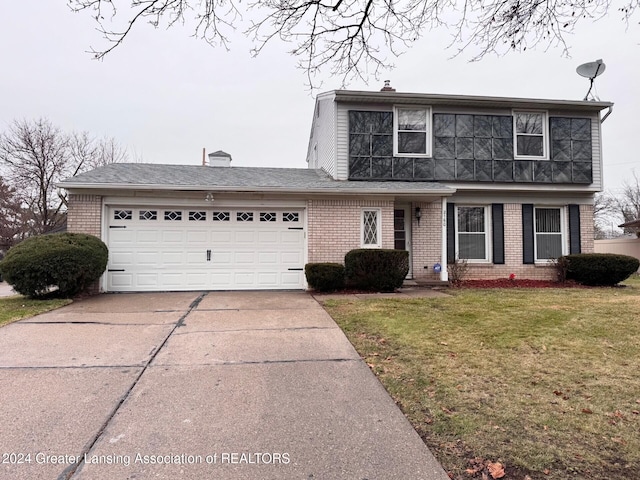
point(219, 159)
point(387, 87)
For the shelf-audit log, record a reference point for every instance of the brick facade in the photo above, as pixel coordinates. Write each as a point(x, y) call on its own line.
point(587, 228)
point(334, 227)
point(513, 253)
point(427, 240)
point(84, 214)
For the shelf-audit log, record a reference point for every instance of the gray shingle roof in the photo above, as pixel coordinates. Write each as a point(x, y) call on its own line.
point(247, 179)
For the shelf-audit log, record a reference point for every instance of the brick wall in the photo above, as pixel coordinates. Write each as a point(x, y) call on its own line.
point(427, 240)
point(85, 214)
point(513, 248)
point(587, 228)
point(513, 254)
point(334, 227)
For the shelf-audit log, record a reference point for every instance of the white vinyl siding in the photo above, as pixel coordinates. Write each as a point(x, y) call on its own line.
point(322, 144)
point(342, 142)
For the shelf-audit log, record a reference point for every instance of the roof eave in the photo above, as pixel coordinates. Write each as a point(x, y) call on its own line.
point(445, 191)
point(465, 100)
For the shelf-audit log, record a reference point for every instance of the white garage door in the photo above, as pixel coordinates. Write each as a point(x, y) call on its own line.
point(156, 249)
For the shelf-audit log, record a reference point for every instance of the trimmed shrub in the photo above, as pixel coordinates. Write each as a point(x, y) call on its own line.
point(600, 268)
point(69, 261)
point(325, 277)
point(376, 269)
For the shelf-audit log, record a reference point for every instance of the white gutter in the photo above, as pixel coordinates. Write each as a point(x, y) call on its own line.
point(465, 100)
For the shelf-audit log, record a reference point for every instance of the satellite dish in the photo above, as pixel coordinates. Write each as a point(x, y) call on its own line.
point(591, 70)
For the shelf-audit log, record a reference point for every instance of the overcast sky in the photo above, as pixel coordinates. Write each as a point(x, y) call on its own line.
point(166, 95)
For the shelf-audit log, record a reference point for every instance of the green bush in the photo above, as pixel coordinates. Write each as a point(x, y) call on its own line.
point(376, 269)
point(600, 268)
point(69, 261)
point(325, 277)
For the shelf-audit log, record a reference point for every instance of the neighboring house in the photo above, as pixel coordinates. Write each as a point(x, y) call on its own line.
point(624, 245)
point(505, 183)
point(632, 225)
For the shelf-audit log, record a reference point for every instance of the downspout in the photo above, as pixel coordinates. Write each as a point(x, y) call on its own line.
point(607, 114)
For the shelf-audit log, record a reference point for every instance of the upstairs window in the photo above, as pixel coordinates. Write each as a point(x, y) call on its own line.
point(530, 134)
point(412, 136)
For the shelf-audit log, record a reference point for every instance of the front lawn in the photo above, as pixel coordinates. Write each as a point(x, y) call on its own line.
point(544, 381)
point(18, 307)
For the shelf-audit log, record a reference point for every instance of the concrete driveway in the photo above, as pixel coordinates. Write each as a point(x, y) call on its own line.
point(225, 385)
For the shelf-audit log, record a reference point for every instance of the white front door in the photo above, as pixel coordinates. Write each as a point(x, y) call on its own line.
point(192, 248)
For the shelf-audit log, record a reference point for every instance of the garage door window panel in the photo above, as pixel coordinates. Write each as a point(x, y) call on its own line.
point(197, 216)
point(290, 216)
point(221, 216)
point(244, 216)
point(123, 214)
point(268, 216)
point(145, 215)
point(172, 215)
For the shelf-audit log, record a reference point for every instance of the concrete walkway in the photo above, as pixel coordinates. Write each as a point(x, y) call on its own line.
point(253, 385)
point(6, 290)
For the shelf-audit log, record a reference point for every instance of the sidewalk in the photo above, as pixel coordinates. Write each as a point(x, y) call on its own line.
point(6, 290)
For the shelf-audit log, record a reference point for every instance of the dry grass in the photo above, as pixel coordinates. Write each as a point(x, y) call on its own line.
point(18, 307)
point(546, 381)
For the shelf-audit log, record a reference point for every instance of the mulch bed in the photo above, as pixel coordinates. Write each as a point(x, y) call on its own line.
point(518, 283)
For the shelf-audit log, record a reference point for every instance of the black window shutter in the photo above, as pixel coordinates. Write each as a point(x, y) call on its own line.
point(451, 233)
point(497, 220)
point(528, 256)
point(574, 229)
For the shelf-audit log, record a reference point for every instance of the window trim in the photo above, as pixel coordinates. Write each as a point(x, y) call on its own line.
point(378, 212)
point(428, 131)
point(545, 135)
point(487, 234)
point(563, 233)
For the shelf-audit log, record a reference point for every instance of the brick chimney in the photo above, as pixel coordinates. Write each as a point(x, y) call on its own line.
point(387, 87)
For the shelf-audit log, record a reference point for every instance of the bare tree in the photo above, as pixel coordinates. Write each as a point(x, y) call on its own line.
point(353, 37)
point(35, 155)
point(626, 205)
point(108, 151)
point(602, 213)
point(14, 222)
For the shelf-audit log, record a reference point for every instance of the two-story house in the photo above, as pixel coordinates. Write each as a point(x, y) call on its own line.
point(505, 183)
